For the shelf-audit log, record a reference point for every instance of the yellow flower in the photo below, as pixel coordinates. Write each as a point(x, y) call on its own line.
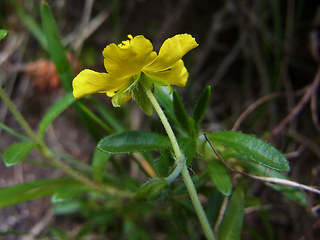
point(132, 63)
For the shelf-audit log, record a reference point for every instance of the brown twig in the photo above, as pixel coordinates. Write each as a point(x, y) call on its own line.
point(314, 110)
point(253, 106)
point(298, 108)
point(257, 103)
point(315, 148)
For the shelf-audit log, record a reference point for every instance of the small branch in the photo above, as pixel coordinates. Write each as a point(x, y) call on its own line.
point(221, 214)
point(283, 182)
point(298, 108)
point(306, 142)
point(253, 106)
point(314, 110)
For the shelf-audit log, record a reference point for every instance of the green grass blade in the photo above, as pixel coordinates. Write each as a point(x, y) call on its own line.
point(107, 115)
point(31, 190)
point(56, 49)
point(54, 112)
point(14, 132)
point(181, 113)
point(201, 106)
point(231, 226)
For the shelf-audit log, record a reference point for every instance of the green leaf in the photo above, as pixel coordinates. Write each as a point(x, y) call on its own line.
point(31, 190)
point(215, 199)
point(99, 162)
point(188, 147)
point(231, 225)
point(17, 152)
point(180, 112)
point(3, 33)
point(252, 148)
point(67, 193)
point(56, 49)
point(201, 106)
point(141, 98)
point(133, 141)
point(58, 55)
point(150, 189)
point(164, 164)
point(220, 176)
point(54, 112)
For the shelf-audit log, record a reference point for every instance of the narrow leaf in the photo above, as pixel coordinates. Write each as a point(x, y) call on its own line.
point(252, 148)
point(99, 162)
point(67, 193)
point(58, 55)
point(3, 33)
point(180, 112)
point(54, 112)
point(220, 176)
point(188, 146)
point(31, 190)
point(141, 99)
point(56, 49)
point(166, 102)
point(150, 189)
point(231, 226)
point(133, 141)
point(17, 152)
point(164, 164)
point(201, 105)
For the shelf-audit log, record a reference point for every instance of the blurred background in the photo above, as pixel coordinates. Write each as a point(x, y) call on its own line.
point(260, 58)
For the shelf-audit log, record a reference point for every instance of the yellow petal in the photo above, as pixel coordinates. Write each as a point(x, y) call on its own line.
point(90, 82)
point(176, 75)
point(129, 57)
point(172, 50)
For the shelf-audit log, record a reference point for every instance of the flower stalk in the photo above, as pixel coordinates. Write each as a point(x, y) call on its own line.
point(181, 167)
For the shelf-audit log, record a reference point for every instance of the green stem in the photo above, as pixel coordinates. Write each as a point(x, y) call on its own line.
point(47, 153)
point(181, 166)
point(15, 112)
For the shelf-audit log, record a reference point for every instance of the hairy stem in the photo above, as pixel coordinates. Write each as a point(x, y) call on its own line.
point(181, 166)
